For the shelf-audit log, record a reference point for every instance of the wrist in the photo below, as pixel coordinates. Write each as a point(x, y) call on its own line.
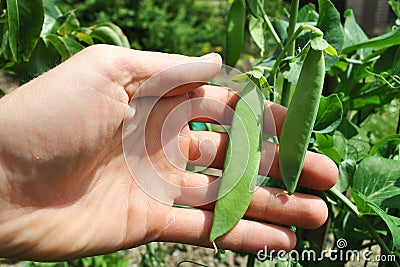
point(3, 111)
point(2, 128)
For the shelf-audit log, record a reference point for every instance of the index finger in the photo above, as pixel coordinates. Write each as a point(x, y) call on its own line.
point(274, 114)
point(168, 73)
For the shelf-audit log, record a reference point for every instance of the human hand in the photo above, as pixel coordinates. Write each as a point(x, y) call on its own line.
point(65, 189)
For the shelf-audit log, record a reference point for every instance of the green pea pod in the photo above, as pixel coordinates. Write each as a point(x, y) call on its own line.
point(241, 163)
point(300, 118)
point(235, 32)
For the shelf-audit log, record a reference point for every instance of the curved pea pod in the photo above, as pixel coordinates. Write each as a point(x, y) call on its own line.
point(300, 118)
point(241, 162)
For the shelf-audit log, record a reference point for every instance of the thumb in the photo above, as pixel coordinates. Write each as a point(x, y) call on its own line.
point(144, 73)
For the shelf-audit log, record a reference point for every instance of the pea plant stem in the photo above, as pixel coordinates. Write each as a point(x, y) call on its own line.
point(269, 25)
point(285, 93)
point(350, 205)
point(284, 51)
point(294, 7)
point(251, 260)
point(353, 208)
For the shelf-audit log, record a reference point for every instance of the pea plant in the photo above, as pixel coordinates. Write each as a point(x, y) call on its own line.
point(36, 36)
point(334, 79)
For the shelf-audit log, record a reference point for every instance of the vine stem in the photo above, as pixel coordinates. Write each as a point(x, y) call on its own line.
point(270, 26)
point(251, 260)
point(350, 205)
point(285, 93)
point(353, 208)
point(398, 128)
point(294, 7)
point(288, 45)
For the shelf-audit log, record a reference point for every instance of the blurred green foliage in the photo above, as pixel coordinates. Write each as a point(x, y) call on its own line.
point(185, 26)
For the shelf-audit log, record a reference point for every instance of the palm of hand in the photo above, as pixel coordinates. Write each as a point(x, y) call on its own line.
point(88, 192)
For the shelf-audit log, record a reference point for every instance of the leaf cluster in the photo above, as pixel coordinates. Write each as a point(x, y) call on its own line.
point(36, 36)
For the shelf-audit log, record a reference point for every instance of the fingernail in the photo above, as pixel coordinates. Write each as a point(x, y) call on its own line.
point(209, 57)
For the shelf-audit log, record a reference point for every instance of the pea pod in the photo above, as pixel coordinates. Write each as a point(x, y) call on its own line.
point(300, 118)
point(241, 162)
point(235, 32)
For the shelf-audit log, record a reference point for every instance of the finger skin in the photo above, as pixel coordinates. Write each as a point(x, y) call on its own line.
point(319, 172)
point(193, 227)
point(267, 204)
point(301, 210)
point(274, 114)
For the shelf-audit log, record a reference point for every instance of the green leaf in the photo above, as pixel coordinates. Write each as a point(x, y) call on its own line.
point(252, 5)
point(307, 13)
point(330, 50)
point(330, 114)
point(395, 5)
point(353, 34)
point(256, 29)
point(4, 40)
point(52, 13)
point(65, 46)
point(388, 39)
point(280, 27)
point(379, 180)
point(329, 22)
point(396, 62)
point(347, 170)
point(372, 92)
point(14, 28)
point(318, 43)
point(42, 59)
point(242, 162)
point(347, 225)
point(109, 33)
point(350, 82)
point(256, 75)
point(326, 146)
point(66, 24)
point(388, 60)
point(84, 37)
point(386, 139)
point(350, 141)
point(362, 206)
point(235, 32)
point(25, 20)
point(392, 222)
point(292, 70)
